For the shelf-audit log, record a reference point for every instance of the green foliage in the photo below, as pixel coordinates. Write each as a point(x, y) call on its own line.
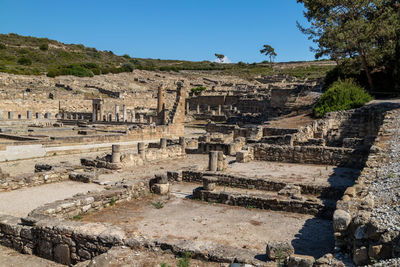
point(24, 61)
point(342, 95)
point(361, 31)
point(197, 90)
point(112, 201)
point(77, 217)
point(44, 47)
point(3, 46)
point(269, 52)
point(127, 67)
point(126, 56)
point(158, 204)
point(185, 261)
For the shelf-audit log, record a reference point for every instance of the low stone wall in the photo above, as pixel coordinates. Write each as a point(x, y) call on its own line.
point(269, 202)
point(356, 231)
point(271, 131)
point(336, 156)
point(36, 179)
point(257, 183)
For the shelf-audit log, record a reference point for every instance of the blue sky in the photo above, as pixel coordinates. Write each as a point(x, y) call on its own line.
point(166, 29)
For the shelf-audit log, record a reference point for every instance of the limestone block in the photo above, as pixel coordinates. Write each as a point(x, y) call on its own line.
point(300, 261)
point(62, 254)
point(341, 220)
point(161, 189)
point(279, 249)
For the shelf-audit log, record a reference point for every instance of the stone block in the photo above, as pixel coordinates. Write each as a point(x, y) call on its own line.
point(360, 256)
point(161, 189)
point(279, 249)
point(341, 220)
point(62, 254)
point(300, 261)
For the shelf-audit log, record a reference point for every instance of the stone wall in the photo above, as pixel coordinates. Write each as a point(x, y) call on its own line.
point(337, 156)
point(356, 231)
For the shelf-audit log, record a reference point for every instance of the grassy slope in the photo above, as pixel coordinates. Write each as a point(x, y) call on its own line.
point(13, 47)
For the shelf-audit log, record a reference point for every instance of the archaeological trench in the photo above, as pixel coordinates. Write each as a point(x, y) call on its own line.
point(96, 171)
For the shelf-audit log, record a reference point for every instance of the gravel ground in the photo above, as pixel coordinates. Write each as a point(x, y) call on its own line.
point(386, 189)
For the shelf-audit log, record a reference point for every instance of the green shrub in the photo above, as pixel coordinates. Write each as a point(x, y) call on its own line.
point(2, 46)
point(126, 56)
point(197, 90)
point(24, 61)
point(341, 95)
point(127, 67)
point(44, 47)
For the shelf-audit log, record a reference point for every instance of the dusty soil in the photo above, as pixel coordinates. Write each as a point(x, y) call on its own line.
point(182, 218)
point(295, 173)
point(12, 258)
point(25, 200)
point(291, 122)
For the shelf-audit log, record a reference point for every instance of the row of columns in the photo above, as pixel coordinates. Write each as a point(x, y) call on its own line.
point(216, 161)
point(116, 149)
point(219, 111)
point(29, 115)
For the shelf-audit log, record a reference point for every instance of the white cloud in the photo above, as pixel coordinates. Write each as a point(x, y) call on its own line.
point(224, 60)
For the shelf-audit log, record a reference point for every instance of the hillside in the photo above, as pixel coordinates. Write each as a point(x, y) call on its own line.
point(36, 56)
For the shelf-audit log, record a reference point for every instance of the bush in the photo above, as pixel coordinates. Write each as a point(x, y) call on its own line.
point(44, 47)
point(197, 90)
point(127, 67)
point(3, 46)
point(24, 61)
point(342, 95)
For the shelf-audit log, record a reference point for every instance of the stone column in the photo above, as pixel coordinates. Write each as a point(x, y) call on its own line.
point(29, 115)
point(124, 119)
point(220, 164)
point(219, 110)
point(213, 161)
point(11, 115)
point(160, 99)
point(182, 141)
point(208, 108)
point(116, 112)
point(141, 149)
point(38, 115)
point(1, 114)
point(198, 109)
point(116, 154)
point(187, 107)
point(109, 117)
point(163, 143)
point(141, 118)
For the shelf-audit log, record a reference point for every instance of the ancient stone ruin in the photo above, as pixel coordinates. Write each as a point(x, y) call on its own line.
point(137, 167)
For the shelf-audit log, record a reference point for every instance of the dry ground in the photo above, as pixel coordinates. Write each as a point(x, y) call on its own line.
point(183, 218)
point(12, 258)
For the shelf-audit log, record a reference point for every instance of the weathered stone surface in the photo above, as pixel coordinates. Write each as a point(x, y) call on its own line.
point(300, 261)
point(62, 254)
point(341, 220)
point(276, 250)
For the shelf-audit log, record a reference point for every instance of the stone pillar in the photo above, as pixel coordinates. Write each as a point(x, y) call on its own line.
point(116, 113)
point(29, 115)
point(58, 116)
point(124, 119)
point(150, 119)
point(182, 142)
point(133, 115)
point(94, 117)
point(160, 99)
point(187, 107)
point(48, 115)
point(64, 116)
point(198, 109)
point(209, 183)
point(219, 110)
point(116, 154)
point(1, 114)
point(109, 117)
point(213, 161)
point(208, 108)
point(163, 143)
point(165, 115)
point(141, 118)
point(38, 115)
point(104, 117)
point(141, 149)
point(220, 164)
point(11, 115)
